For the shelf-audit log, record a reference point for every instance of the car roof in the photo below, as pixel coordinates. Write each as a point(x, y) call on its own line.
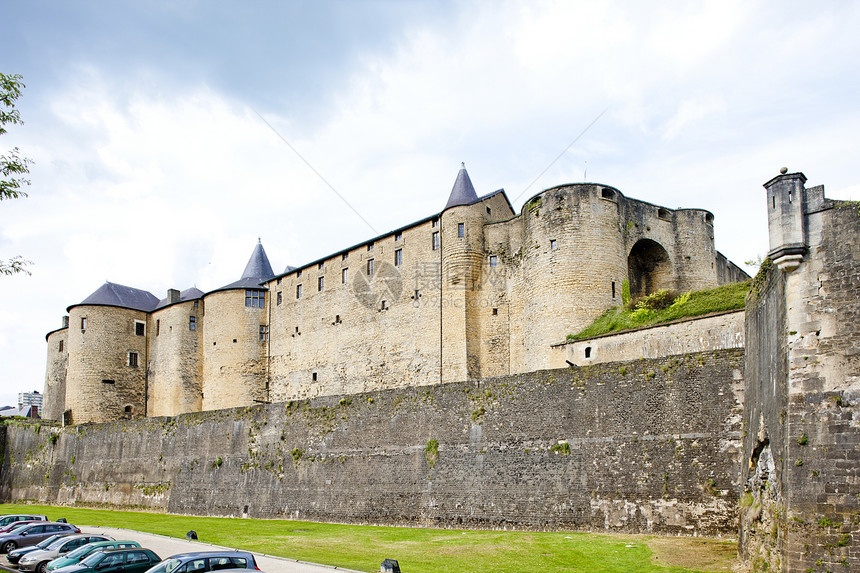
point(225, 552)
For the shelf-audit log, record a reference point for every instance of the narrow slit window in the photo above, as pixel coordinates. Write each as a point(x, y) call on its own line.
point(436, 241)
point(370, 267)
point(298, 291)
point(553, 244)
point(280, 298)
point(494, 260)
point(192, 323)
point(461, 230)
point(321, 284)
point(398, 257)
point(344, 275)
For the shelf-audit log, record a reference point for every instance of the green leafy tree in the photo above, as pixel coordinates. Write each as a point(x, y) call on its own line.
point(12, 166)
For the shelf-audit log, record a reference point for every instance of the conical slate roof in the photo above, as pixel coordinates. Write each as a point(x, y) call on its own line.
point(463, 192)
point(258, 270)
point(258, 266)
point(111, 294)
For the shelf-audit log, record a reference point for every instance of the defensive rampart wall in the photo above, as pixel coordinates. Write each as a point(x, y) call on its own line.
point(641, 446)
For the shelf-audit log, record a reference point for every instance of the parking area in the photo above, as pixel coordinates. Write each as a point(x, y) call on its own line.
point(167, 546)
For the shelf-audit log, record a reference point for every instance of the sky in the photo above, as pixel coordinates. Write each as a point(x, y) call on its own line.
point(168, 136)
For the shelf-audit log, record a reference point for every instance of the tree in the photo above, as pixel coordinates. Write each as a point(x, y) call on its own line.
point(12, 166)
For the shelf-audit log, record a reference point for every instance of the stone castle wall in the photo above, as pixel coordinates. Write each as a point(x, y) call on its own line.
point(641, 446)
point(801, 501)
point(176, 360)
point(699, 334)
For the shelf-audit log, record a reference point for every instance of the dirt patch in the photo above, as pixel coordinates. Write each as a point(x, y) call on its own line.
point(710, 555)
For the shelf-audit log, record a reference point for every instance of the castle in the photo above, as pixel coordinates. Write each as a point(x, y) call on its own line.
point(740, 424)
point(475, 291)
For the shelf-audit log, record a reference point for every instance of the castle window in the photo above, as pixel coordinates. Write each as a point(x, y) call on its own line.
point(344, 257)
point(60, 349)
point(192, 323)
point(344, 275)
point(196, 303)
point(398, 257)
point(132, 359)
point(709, 218)
point(369, 247)
point(434, 223)
point(314, 376)
point(279, 280)
point(613, 289)
point(663, 213)
point(488, 210)
point(255, 298)
point(139, 328)
point(553, 244)
point(436, 241)
point(461, 230)
point(83, 323)
point(337, 319)
point(495, 312)
point(299, 291)
point(607, 193)
point(129, 409)
point(320, 266)
point(383, 306)
point(494, 260)
point(264, 333)
point(157, 327)
point(320, 283)
point(299, 274)
point(370, 267)
point(280, 298)
point(588, 352)
point(398, 236)
point(108, 382)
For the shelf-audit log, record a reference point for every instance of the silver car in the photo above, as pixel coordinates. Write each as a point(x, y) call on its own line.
point(37, 561)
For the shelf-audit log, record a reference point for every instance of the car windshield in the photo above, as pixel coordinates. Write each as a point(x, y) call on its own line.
point(80, 551)
point(94, 559)
point(44, 544)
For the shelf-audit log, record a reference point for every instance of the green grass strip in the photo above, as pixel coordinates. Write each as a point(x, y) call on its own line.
point(417, 550)
point(727, 297)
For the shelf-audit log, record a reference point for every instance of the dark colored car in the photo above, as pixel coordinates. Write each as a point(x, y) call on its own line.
point(37, 561)
point(33, 533)
point(81, 553)
point(200, 561)
point(129, 560)
point(7, 519)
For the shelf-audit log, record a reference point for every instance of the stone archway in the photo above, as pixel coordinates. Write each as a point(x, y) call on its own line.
point(648, 268)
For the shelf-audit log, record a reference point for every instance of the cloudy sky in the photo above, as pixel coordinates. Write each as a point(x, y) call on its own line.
point(158, 128)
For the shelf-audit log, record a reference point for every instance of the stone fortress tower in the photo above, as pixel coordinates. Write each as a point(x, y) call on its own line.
point(476, 290)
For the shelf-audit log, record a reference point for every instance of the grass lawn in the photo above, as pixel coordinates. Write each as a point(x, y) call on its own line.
point(423, 550)
point(727, 297)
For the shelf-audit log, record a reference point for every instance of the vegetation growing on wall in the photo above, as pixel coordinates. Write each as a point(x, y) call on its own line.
point(664, 306)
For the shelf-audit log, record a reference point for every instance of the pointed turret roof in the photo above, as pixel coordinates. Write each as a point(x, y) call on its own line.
point(257, 271)
point(111, 294)
point(463, 192)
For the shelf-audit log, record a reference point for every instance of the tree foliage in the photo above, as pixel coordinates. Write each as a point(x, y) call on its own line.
point(12, 166)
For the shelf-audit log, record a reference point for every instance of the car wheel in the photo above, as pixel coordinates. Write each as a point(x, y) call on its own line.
point(9, 546)
point(42, 567)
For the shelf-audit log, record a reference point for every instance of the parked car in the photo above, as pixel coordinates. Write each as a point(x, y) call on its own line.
point(81, 552)
point(199, 561)
point(33, 533)
point(38, 560)
point(129, 560)
point(16, 554)
point(7, 519)
point(12, 525)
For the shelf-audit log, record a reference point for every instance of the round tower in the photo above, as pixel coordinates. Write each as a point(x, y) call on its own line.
point(235, 338)
point(462, 245)
point(107, 346)
point(55, 374)
point(573, 265)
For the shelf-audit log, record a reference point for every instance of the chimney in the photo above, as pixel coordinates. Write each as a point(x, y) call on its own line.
point(172, 296)
point(65, 322)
